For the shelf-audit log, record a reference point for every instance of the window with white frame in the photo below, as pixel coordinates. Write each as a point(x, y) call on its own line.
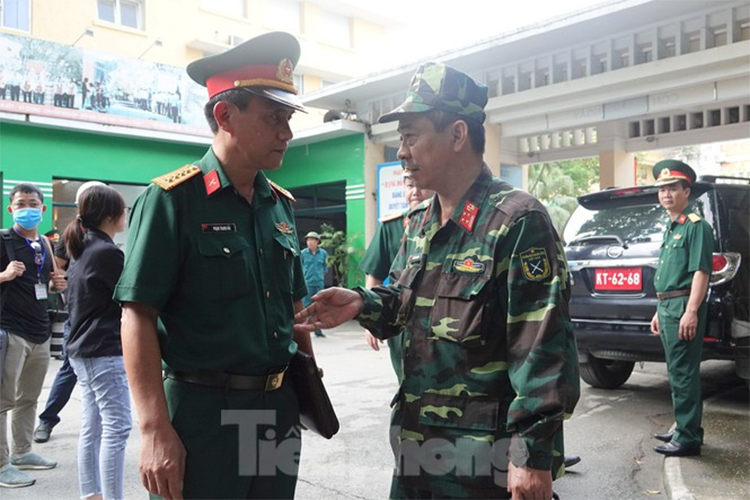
point(299, 83)
point(283, 15)
point(16, 14)
point(335, 29)
point(229, 8)
point(127, 13)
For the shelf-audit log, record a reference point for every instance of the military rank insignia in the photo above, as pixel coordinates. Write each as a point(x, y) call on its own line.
point(468, 266)
point(535, 264)
point(212, 182)
point(681, 219)
point(468, 216)
point(284, 228)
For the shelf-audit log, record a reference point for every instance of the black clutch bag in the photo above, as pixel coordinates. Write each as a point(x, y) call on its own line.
point(315, 408)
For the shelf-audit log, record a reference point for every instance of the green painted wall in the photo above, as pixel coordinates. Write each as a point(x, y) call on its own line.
point(38, 154)
point(336, 160)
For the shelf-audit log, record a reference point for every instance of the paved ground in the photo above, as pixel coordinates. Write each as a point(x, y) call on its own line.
point(356, 464)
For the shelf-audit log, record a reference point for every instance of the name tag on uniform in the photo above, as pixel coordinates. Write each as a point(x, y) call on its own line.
point(40, 289)
point(218, 227)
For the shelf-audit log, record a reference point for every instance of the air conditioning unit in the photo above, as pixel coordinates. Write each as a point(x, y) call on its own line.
point(235, 40)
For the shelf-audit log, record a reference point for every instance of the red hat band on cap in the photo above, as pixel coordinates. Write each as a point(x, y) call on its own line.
point(277, 77)
point(673, 173)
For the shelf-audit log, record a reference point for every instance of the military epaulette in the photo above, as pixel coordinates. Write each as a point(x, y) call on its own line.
point(281, 190)
point(393, 216)
point(694, 217)
point(168, 181)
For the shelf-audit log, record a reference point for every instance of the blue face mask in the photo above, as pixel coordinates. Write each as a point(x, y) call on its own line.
point(27, 218)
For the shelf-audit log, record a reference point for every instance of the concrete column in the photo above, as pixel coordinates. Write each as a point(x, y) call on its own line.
point(374, 155)
point(616, 168)
point(493, 146)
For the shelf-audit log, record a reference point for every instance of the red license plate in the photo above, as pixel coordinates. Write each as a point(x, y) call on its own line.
point(619, 279)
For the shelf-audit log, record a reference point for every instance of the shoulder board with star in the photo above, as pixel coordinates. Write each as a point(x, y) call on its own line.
point(168, 181)
point(694, 217)
point(281, 190)
point(393, 216)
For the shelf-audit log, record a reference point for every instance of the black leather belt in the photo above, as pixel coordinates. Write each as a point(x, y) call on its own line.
point(672, 294)
point(231, 381)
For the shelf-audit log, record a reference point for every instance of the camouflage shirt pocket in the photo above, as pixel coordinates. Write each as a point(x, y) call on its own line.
point(459, 412)
point(460, 300)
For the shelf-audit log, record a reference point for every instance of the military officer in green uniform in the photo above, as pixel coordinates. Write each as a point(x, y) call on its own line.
point(681, 283)
point(479, 289)
point(211, 283)
point(380, 255)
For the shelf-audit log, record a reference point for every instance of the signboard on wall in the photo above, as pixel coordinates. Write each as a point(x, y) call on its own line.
point(390, 191)
point(39, 77)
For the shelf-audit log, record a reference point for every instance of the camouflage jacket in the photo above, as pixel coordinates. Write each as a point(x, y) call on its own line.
point(489, 350)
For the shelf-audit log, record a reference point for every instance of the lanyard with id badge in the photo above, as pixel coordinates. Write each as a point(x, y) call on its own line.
point(40, 289)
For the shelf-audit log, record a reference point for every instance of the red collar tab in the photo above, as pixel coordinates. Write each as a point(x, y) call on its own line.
point(468, 216)
point(682, 218)
point(212, 182)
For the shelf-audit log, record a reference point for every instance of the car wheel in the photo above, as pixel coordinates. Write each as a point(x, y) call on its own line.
point(605, 373)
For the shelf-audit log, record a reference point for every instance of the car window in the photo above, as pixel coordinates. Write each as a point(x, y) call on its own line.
point(641, 223)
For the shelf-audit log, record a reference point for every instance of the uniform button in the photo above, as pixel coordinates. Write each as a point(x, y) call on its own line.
point(226, 250)
point(268, 294)
point(275, 335)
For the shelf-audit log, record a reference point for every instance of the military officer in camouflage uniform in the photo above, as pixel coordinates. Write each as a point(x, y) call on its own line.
point(681, 283)
point(480, 290)
point(211, 282)
point(380, 255)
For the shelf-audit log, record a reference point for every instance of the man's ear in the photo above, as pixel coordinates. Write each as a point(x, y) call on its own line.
point(460, 131)
point(222, 113)
point(44, 208)
point(10, 209)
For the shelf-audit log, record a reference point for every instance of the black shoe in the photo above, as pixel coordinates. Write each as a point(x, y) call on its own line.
point(664, 436)
point(675, 449)
point(571, 460)
point(42, 433)
point(319, 334)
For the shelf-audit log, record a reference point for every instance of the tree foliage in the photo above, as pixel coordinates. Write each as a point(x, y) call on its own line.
point(558, 184)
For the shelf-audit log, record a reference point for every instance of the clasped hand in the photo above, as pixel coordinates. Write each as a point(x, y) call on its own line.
point(330, 308)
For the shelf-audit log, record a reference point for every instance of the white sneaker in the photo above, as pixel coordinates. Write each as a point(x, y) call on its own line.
point(31, 461)
point(10, 477)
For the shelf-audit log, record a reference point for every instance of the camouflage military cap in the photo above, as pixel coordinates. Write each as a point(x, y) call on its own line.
point(671, 171)
point(437, 86)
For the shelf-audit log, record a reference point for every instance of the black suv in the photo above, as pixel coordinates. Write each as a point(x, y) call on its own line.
point(612, 245)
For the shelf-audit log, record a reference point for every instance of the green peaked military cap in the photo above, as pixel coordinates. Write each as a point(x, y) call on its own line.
point(263, 65)
point(438, 86)
point(671, 171)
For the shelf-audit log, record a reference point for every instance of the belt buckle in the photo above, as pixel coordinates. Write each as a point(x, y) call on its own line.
point(273, 381)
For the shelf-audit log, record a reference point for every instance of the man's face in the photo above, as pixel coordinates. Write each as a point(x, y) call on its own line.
point(424, 150)
point(261, 133)
point(673, 197)
point(312, 244)
point(26, 200)
point(413, 195)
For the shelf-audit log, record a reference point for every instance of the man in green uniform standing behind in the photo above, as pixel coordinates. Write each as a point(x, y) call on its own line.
point(681, 283)
point(314, 266)
point(380, 255)
point(211, 283)
point(479, 289)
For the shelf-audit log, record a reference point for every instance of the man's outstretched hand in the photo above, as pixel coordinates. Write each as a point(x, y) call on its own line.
point(330, 308)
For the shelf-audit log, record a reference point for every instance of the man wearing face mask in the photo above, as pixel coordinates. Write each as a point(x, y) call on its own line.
point(28, 267)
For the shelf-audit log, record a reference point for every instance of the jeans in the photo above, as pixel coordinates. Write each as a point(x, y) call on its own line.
point(105, 425)
point(62, 387)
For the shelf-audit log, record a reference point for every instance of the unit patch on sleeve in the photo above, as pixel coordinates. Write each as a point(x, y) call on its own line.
point(535, 264)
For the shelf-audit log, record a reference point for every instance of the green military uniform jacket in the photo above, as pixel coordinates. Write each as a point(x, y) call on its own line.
point(384, 247)
point(687, 247)
point(223, 274)
point(489, 348)
point(377, 262)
